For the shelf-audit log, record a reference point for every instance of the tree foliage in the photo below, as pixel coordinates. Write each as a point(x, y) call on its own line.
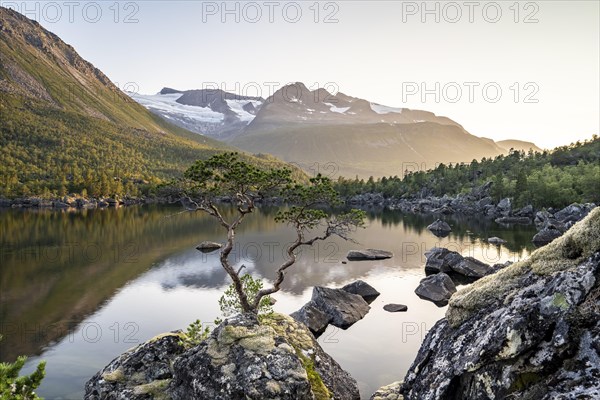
point(226, 176)
point(548, 179)
point(15, 387)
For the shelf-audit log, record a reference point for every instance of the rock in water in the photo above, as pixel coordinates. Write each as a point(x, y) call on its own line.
point(312, 316)
point(440, 259)
point(530, 331)
point(341, 307)
point(369, 254)
point(240, 360)
point(513, 220)
point(472, 268)
point(243, 360)
point(395, 307)
point(439, 227)
point(344, 308)
point(362, 289)
point(437, 288)
point(545, 236)
point(496, 240)
point(208, 246)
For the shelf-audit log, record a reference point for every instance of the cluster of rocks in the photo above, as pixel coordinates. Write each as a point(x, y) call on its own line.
point(241, 359)
point(529, 331)
point(552, 224)
point(477, 202)
point(444, 267)
point(67, 202)
point(338, 307)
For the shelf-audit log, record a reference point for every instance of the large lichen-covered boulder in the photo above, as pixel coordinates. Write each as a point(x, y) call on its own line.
point(143, 372)
point(277, 359)
point(530, 331)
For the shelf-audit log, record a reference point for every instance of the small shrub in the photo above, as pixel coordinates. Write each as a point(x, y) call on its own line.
point(230, 302)
point(195, 334)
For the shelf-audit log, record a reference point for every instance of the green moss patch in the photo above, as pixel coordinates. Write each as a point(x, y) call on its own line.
point(565, 252)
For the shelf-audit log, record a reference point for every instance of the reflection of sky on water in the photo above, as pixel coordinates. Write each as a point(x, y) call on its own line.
point(187, 284)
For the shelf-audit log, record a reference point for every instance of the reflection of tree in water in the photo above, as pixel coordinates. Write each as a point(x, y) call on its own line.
point(518, 237)
point(59, 266)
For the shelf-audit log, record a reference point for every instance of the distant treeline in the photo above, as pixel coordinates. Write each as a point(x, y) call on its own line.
point(554, 178)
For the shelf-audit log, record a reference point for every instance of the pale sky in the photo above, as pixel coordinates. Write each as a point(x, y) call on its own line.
point(387, 52)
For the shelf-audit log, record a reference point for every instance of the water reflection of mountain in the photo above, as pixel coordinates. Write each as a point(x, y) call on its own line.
point(57, 268)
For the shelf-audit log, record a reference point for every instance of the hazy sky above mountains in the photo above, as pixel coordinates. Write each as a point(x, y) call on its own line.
point(542, 56)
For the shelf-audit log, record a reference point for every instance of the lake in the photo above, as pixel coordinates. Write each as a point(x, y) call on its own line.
point(79, 288)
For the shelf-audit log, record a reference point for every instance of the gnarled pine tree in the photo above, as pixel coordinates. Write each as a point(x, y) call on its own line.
point(226, 176)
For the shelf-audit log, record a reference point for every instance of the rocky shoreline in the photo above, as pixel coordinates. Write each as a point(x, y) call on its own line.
point(530, 330)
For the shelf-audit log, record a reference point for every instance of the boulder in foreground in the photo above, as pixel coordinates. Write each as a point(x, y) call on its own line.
point(529, 331)
point(240, 360)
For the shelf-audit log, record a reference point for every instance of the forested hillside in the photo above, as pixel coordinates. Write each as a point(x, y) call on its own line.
point(66, 128)
point(544, 179)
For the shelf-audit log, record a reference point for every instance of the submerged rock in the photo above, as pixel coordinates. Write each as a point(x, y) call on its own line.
point(437, 288)
point(207, 246)
point(513, 220)
point(529, 331)
point(369, 254)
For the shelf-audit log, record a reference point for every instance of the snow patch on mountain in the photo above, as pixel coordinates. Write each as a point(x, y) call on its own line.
point(167, 104)
point(381, 109)
point(339, 110)
point(237, 106)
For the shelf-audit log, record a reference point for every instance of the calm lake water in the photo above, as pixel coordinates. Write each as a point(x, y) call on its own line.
point(79, 288)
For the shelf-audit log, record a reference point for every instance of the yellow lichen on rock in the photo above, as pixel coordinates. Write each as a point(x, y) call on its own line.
point(156, 389)
point(115, 376)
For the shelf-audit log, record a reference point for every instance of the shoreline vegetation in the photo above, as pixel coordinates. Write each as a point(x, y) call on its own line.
point(563, 176)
